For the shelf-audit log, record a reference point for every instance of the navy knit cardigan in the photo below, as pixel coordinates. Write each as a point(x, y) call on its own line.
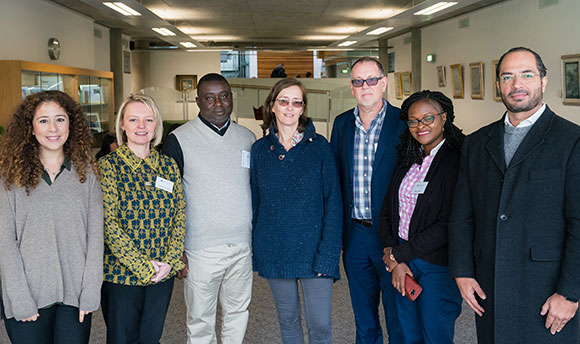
point(297, 224)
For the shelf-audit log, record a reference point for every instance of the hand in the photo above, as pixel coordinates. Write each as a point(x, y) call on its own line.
point(559, 311)
point(398, 277)
point(468, 287)
point(32, 318)
point(163, 269)
point(387, 259)
point(82, 315)
point(181, 274)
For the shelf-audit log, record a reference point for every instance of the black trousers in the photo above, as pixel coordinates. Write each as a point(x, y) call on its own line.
point(135, 314)
point(55, 325)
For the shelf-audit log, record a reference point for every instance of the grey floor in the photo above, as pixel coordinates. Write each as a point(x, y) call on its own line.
point(263, 325)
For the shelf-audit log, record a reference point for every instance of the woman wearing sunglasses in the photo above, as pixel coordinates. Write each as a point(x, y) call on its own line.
point(297, 208)
point(414, 217)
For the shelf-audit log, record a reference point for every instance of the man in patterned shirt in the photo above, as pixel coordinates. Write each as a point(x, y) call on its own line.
point(364, 141)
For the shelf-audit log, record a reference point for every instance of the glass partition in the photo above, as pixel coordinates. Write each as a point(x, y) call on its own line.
point(33, 82)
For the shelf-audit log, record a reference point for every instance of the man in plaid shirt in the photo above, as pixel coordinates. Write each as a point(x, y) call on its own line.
point(364, 141)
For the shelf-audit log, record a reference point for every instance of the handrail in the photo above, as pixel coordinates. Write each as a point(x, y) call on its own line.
point(261, 87)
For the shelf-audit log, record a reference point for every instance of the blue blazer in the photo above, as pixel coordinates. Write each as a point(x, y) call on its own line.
point(342, 142)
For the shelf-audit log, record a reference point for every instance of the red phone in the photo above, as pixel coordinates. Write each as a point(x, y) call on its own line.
point(412, 288)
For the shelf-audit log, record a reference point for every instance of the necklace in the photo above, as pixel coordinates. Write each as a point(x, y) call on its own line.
point(49, 172)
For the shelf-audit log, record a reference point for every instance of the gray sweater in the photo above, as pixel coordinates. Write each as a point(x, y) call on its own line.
point(216, 185)
point(51, 245)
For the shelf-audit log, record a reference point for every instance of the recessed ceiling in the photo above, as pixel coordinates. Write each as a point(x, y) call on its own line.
point(267, 24)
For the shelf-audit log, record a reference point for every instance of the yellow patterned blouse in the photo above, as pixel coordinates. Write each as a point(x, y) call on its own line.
point(144, 215)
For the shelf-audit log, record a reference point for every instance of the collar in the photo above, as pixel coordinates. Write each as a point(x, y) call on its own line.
point(437, 148)
point(378, 117)
point(220, 131)
point(66, 164)
point(528, 121)
point(134, 161)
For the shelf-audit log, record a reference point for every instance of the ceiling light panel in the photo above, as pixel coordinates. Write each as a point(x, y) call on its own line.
point(347, 43)
point(380, 30)
point(188, 44)
point(163, 31)
point(440, 6)
point(121, 8)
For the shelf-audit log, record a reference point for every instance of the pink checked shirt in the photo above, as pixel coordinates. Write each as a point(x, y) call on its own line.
point(408, 200)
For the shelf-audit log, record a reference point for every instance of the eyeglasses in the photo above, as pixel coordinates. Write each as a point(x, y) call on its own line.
point(286, 102)
point(526, 76)
point(425, 120)
point(369, 81)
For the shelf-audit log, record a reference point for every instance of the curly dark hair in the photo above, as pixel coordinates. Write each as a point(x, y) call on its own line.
point(20, 164)
point(270, 117)
point(409, 151)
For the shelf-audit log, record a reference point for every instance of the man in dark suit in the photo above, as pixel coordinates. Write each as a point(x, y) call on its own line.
point(514, 233)
point(364, 141)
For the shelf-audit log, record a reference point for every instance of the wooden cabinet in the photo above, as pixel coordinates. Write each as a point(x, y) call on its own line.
point(93, 89)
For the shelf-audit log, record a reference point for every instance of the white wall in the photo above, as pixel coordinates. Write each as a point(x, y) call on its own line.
point(402, 47)
point(552, 32)
point(102, 48)
point(27, 25)
point(165, 65)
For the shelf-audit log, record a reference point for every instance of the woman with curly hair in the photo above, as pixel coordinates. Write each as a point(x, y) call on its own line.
point(51, 228)
point(414, 217)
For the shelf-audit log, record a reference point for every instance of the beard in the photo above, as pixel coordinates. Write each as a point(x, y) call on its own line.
point(535, 98)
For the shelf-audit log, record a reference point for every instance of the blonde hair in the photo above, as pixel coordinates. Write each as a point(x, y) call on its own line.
point(150, 104)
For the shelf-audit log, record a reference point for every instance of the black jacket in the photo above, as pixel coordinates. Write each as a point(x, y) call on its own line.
point(428, 236)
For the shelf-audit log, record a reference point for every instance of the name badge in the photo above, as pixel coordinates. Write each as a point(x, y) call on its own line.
point(164, 184)
point(245, 159)
point(419, 187)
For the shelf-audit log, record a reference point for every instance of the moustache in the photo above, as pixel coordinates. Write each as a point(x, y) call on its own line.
point(519, 91)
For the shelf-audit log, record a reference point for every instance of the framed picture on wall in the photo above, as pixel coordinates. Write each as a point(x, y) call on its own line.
point(457, 80)
point(407, 83)
point(398, 86)
point(571, 79)
point(441, 76)
point(476, 77)
point(185, 82)
point(496, 94)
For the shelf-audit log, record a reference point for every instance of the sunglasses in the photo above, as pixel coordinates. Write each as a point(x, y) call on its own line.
point(369, 81)
point(286, 102)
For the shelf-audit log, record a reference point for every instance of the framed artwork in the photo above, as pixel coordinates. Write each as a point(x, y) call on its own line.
point(406, 83)
point(476, 77)
point(398, 86)
point(457, 80)
point(185, 82)
point(496, 94)
point(441, 76)
point(571, 79)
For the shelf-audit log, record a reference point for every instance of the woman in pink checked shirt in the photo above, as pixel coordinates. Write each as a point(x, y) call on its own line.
point(414, 217)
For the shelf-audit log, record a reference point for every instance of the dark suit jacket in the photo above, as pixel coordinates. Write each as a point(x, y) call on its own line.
point(516, 229)
point(342, 142)
point(428, 235)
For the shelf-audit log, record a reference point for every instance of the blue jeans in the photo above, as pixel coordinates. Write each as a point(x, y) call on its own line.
point(431, 318)
point(58, 324)
point(317, 309)
point(367, 279)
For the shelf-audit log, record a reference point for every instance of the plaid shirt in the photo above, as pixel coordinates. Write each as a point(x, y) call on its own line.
point(365, 146)
point(407, 199)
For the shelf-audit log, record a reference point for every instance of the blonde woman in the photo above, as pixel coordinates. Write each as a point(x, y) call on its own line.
point(144, 226)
